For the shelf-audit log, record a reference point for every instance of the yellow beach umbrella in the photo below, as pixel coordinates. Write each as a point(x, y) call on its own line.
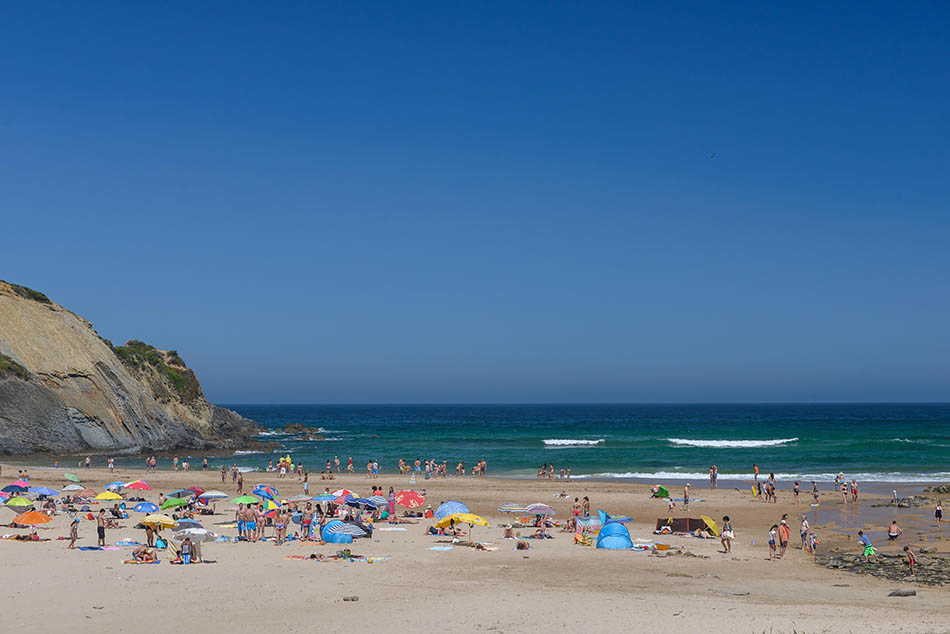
point(162, 521)
point(711, 523)
point(108, 495)
point(463, 518)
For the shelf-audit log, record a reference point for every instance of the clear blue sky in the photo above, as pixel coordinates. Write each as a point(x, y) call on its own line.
point(511, 202)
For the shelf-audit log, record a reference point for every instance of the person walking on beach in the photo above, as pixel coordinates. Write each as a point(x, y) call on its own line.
point(854, 491)
point(814, 492)
point(726, 535)
point(805, 527)
point(938, 512)
point(224, 474)
point(773, 536)
point(240, 483)
point(101, 527)
point(795, 491)
point(686, 497)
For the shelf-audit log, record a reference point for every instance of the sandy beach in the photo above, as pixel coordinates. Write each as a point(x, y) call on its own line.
point(555, 585)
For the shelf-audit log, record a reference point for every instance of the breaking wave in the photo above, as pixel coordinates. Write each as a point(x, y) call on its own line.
point(731, 444)
point(570, 442)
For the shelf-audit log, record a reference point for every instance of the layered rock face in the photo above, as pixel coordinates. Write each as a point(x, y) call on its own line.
point(64, 389)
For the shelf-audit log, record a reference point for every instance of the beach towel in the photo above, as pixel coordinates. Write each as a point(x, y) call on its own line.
point(136, 561)
point(440, 547)
point(128, 542)
point(90, 548)
point(391, 528)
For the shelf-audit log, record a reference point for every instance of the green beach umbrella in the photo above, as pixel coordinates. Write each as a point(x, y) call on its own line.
point(245, 499)
point(19, 501)
point(72, 477)
point(173, 502)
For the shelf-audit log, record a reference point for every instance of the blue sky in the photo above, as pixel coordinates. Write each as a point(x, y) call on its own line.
point(491, 203)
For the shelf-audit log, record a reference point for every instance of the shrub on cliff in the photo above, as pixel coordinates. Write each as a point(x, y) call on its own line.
point(9, 367)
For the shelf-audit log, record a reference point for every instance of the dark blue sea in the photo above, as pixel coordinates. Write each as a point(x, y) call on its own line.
point(870, 442)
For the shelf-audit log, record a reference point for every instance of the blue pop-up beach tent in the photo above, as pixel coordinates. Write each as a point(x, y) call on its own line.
point(614, 536)
point(335, 538)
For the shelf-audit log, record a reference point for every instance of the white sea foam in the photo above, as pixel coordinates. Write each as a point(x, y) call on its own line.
point(893, 476)
point(571, 442)
point(731, 444)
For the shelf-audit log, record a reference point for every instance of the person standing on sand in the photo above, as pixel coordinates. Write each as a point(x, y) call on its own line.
point(805, 527)
point(101, 527)
point(784, 535)
point(586, 506)
point(911, 560)
point(306, 483)
point(795, 491)
point(726, 535)
point(814, 492)
point(854, 491)
point(938, 512)
point(686, 497)
point(73, 533)
point(240, 483)
point(88, 461)
point(224, 474)
point(773, 535)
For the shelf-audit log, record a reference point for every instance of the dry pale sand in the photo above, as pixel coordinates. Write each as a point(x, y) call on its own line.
point(557, 586)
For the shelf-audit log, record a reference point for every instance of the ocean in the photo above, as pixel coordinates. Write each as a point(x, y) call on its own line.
point(869, 442)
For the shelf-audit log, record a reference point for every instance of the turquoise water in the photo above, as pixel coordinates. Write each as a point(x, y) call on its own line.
point(884, 443)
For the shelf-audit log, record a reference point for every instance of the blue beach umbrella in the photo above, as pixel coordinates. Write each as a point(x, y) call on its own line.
point(115, 486)
point(344, 528)
point(14, 488)
point(450, 508)
point(359, 502)
point(265, 491)
point(43, 491)
point(145, 507)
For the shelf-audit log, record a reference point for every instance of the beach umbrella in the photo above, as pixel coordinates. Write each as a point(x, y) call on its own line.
point(72, 477)
point(14, 488)
point(32, 518)
point(171, 503)
point(213, 495)
point(196, 490)
point(197, 535)
point(511, 507)
point(539, 509)
point(323, 497)
point(115, 486)
point(73, 487)
point(265, 491)
point(343, 499)
point(410, 499)
point(463, 518)
point(711, 523)
point(19, 501)
point(108, 495)
point(4, 495)
point(378, 500)
point(162, 521)
point(186, 523)
point(334, 538)
point(21, 483)
point(138, 485)
point(344, 492)
point(359, 502)
point(179, 493)
point(245, 499)
point(270, 505)
point(450, 508)
point(43, 491)
point(145, 507)
point(344, 528)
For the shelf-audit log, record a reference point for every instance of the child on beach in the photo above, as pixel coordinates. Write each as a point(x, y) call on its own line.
point(726, 535)
point(773, 535)
point(911, 559)
point(813, 543)
point(868, 548)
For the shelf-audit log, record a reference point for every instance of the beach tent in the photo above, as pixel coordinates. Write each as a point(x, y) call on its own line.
point(681, 524)
point(335, 538)
point(614, 537)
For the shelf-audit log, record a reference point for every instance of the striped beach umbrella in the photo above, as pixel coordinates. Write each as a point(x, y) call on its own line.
point(346, 529)
point(451, 507)
point(539, 509)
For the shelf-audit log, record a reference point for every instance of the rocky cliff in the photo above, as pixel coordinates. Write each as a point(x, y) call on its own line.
point(64, 389)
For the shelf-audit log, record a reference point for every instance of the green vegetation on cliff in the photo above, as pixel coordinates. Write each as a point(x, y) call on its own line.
point(29, 293)
point(9, 367)
point(135, 354)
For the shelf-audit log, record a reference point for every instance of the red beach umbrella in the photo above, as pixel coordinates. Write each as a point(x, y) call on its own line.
point(410, 499)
